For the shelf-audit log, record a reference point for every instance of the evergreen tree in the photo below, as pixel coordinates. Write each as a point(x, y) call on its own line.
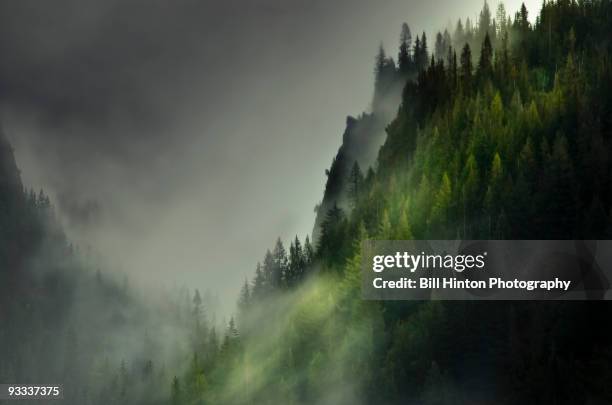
point(501, 18)
point(330, 243)
point(523, 19)
point(259, 283)
point(385, 76)
point(423, 56)
point(404, 58)
point(505, 152)
point(355, 182)
point(279, 269)
point(459, 35)
point(381, 58)
point(385, 232)
point(213, 342)
point(197, 305)
point(417, 53)
point(297, 263)
point(484, 22)
point(440, 50)
point(244, 301)
point(270, 272)
point(309, 252)
point(485, 64)
point(404, 229)
point(442, 202)
point(466, 69)
point(447, 41)
point(469, 31)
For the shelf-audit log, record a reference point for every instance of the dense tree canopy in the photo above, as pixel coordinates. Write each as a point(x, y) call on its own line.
point(503, 131)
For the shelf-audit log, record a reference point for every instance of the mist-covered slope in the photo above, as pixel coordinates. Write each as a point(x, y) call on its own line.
point(500, 129)
point(503, 132)
point(360, 142)
point(11, 203)
point(64, 319)
point(364, 135)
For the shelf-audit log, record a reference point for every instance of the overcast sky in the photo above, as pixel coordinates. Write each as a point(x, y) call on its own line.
point(181, 137)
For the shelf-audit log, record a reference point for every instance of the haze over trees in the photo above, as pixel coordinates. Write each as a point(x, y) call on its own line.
point(499, 130)
point(503, 132)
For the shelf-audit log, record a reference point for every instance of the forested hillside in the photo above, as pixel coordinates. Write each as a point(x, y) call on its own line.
point(65, 320)
point(503, 132)
point(499, 128)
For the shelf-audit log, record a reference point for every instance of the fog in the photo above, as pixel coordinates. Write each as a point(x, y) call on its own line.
point(179, 138)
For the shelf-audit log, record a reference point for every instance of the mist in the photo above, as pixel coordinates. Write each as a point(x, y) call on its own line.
point(178, 139)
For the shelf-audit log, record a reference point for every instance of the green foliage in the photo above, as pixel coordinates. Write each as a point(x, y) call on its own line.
point(516, 148)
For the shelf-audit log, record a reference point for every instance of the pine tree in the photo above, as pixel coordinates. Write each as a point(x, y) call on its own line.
point(355, 183)
point(442, 201)
point(213, 342)
point(417, 53)
point(385, 231)
point(423, 54)
point(484, 22)
point(279, 257)
point(308, 252)
point(485, 65)
point(244, 301)
point(197, 305)
point(469, 31)
point(466, 69)
point(379, 67)
point(297, 263)
point(523, 19)
point(459, 35)
point(259, 283)
point(404, 57)
point(385, 75)
point(502, 59)
point(447, 41)
point(454, 74)
point(330, 242)
point(269, 272)
point(404, 230)
point(500, 17)
point(440, 51)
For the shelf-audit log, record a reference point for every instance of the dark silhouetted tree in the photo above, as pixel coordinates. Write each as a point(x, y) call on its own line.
point(404, 61)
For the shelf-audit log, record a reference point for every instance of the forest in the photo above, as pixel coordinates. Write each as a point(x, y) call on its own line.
point(499, 128)
point(503, 131)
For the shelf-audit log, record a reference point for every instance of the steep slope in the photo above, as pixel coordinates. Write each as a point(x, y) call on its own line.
point(362, 139)
point(360, 142)
point(11, 204)
point(64, 321)
point(514, 142)
point(11, 188)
